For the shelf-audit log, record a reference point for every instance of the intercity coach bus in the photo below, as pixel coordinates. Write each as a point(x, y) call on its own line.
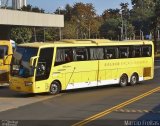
point(5, 52)
point(72, 64)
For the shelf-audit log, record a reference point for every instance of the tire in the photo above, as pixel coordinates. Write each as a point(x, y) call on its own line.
point(55, 88)
point(123, 80)
point(134, 79)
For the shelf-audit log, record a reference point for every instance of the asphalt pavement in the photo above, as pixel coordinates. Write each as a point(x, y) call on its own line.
point(74, 106)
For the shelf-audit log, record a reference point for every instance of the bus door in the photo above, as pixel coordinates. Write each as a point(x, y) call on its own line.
point(43, 69)
point(108, 66)
point(4, 69)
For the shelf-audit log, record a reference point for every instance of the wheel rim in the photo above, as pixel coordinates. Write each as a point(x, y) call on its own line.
point(134, 79)
point(123, 80)
point(54, 88)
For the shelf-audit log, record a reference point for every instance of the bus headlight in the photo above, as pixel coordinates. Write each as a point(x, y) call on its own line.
point(28, 83)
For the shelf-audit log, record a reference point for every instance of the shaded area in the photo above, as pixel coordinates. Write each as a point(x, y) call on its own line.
point(5, 32)
point(154, 115)
point(5, 92)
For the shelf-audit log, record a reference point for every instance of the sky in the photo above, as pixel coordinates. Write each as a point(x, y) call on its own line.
point(100, 5)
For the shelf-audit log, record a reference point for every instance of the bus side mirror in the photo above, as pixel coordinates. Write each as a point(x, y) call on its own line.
point(7, 59)
point(32, 60)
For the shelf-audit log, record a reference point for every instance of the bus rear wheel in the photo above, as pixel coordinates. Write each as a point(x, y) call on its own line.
point(123, 80)
point(55, 88)
point(134, 79)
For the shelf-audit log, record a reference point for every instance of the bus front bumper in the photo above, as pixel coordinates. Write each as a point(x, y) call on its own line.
point(22, 85)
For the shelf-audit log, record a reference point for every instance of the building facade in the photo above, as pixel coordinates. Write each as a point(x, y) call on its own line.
point(18, 4)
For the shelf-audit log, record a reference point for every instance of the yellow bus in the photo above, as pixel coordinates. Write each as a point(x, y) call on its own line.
point(5, 52)
point(72, 64)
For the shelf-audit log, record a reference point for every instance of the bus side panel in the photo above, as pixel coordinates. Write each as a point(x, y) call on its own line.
point(84, 75)
point(137, 65)
point(65, 74)
point(107, 72)
point(110, 71)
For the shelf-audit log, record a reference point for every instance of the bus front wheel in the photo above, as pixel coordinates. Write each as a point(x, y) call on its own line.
point(123, 80)
point(55, 88)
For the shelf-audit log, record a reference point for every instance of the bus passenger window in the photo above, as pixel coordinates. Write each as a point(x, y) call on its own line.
point(123, 52)
point(68, 55)
point(146, 51)
point(96, 53)
point(110, 53)
point(136, 52)
point(64, 55)
point(81, 54)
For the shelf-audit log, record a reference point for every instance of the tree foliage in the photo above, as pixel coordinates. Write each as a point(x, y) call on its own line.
point(81, 21)
point(21, 34)
point(29, 8)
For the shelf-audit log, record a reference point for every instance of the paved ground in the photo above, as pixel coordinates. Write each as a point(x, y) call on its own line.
point(71, 107)
point(10, 99)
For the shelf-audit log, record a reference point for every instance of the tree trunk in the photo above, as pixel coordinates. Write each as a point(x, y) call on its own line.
point(155, 40)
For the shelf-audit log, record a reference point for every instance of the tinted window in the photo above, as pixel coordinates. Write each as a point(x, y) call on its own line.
point(64, 55)
point(44, 64)
point(136, 51)
point(96, 53)
point(20, 61)
point(146, 51)
point(110, 53)
point(27, 52)
point(3, 51)
point(81, 54)
point(123, 52)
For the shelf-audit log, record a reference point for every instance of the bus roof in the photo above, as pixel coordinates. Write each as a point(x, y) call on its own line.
point(71, 42)
point(5, 42)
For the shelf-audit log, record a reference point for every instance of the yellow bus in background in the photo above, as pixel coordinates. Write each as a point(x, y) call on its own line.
point(72, 64)
point(5, 52)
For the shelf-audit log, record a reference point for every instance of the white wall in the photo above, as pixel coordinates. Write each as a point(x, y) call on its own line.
point(12, 17)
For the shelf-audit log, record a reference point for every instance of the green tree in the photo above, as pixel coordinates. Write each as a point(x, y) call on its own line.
point(67, 12)
point(110, 29)
point(127, 24)
point(141, 14)
point(21, 34)
point(110, 13)
point(156, 22)
point(70, 30)
point(84, 15)
point(29, 8)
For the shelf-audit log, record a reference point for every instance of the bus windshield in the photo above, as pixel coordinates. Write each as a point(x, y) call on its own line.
point(3, 51)
point(20, 65)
